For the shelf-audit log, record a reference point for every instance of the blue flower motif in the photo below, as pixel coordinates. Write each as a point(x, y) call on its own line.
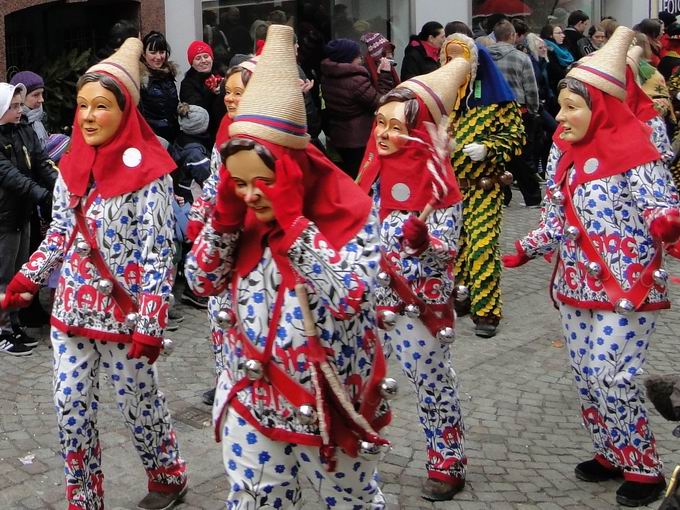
point(251, 437)
point(236, 448)
point(249, 473)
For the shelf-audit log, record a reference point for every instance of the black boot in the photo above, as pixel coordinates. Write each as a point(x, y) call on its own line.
point(437, 490)
point(209, 397)
point(639, 494)
point(593, 471)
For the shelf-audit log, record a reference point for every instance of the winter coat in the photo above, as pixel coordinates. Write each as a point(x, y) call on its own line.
point(192, 155)
point(615, 213)
point(416, 61)
point(518, 71)
point(351, 100)
point(158, 102)
point(134, 233)
point(193, 90)
point(27, 175)
point(340, 286)
point(578, 44)
point(556, 71)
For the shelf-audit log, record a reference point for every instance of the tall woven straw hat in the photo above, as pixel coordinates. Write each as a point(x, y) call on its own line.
point(439, 89)
point(124, 66)
point(633, 60)
point(606, 69)
point(272, 107)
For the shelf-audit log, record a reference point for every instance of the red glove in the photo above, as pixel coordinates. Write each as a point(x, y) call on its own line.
point(230, 209)
point(416, 235)
point(194, 228)
point(518, 259)
point(287, 192)
point(666, 226)
point(147, 346)
point(13, 293)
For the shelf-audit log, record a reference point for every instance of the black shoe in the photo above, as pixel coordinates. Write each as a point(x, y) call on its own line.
point(21, 337)
point(593, 471)
point(9, 345)
point(209, 397)
point(192, 299)
point(161, 500)
point(485, 327)
point(437, 490)
point(175, 315)
point(171, 325)
point(639, 494)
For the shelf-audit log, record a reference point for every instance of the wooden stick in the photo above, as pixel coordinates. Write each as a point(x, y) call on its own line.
point(426, 212)
point(307, 317)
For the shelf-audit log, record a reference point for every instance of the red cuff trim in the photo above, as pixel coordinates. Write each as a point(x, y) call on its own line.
point(296, 229)
point(166, 488)
point(141, 338)
point(642, 478)
point(26, 283)
point(104, 336)
point(445, 477)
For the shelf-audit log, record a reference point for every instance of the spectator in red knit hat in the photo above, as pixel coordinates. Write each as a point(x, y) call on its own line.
point(377, 48)
point(201, 84)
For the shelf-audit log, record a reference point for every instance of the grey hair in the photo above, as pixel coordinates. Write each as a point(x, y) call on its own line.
point(577, 87)
point(533, 40)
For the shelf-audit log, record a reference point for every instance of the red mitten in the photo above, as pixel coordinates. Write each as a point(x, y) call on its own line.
point(287, 192)
point(194, 228)
point(416, 235)
point(517, 259)
point(13, 293)
point(143, 345)
point(666, 226)
point(230, 209)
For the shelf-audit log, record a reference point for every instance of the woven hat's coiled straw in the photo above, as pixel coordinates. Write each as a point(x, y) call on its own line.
point(124, 66)
point(272, 107)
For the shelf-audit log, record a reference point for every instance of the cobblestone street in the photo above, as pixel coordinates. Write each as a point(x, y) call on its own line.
point(523, 438)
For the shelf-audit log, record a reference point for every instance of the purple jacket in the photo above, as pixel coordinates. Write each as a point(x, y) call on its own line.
point(351, 101)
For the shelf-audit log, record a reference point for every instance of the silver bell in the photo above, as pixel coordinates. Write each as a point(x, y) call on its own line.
point(660, 277)
point(412, 311)
point(306, 414)
point(572, 232)
point(370, 451)
point(131, 319)
point(462, 293)
point(594, 269)
point(387, 320)
point(223, 318)
point(83, 248)
point(557, 198)
point(254, 370)
point(446, 335)
point(389, 388)
point(105, 286)
point(624, 306)
point(168, 347)
point(383, 279)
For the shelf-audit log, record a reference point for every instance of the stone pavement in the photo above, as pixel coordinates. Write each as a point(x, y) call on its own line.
point(523, 428)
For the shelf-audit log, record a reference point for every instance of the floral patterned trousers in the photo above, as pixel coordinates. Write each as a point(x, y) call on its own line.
point(77, 362)
point(607, 351)
point(264, 473)
point(427, 363)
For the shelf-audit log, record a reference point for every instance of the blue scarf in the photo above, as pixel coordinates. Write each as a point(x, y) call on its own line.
point(490, 86)
point(564, 57)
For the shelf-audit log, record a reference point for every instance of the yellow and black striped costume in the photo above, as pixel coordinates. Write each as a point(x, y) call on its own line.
point(499, 127)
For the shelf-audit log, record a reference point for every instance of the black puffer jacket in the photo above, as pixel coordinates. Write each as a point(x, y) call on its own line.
point(27, 176)
point(158, 102)
point(192, 90)
point(416, 61)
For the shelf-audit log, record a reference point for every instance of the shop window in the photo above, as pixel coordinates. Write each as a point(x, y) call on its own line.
point(537, 13)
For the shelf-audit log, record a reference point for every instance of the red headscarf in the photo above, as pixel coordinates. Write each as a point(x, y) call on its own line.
point(222, 136)
point(615, 141)
point(332, 201)
point(406, 169)
point(372, 67)
point(639, 103)
point(129, 161)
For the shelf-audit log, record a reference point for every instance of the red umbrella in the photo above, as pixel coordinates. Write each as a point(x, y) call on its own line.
point(507, 7)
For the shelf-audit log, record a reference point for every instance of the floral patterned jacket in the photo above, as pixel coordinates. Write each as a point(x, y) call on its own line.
point(134, 234)
point(340, 286)
point(615, 213)
point(430, 274)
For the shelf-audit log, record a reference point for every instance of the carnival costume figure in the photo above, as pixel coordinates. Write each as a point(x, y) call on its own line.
point(610, 207)
point(407, 169)
point(112, 234)
point(234, 85)
point(488, 130)
point(293, 244)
